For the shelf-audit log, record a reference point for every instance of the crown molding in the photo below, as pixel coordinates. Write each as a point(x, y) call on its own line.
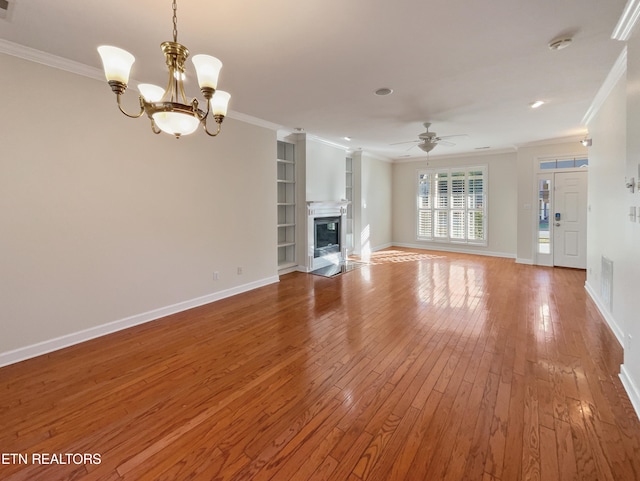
point(557, 140)
point(615, 74)
point(372, 156)
point(627, 22)
point(315, 138)
point(71, 66)
point(44, 58)
point(460, 155)
point(249, 119)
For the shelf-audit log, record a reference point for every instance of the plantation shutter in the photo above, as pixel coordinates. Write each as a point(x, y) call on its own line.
point(452, 205)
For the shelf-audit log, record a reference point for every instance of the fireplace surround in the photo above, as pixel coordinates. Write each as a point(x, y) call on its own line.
point(326, 233)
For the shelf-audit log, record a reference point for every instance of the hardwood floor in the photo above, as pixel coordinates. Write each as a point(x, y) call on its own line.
point(420, 366)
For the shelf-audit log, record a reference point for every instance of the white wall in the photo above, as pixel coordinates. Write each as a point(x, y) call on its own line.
point(325, 171)
point(501, 201)
point(374, 197)
point(628, 290)
point(102, 220)
point(607, 200)
point(615, 157)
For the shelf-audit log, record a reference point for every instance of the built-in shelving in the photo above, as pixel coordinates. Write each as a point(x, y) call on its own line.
point(349, 195)
point(286, 205)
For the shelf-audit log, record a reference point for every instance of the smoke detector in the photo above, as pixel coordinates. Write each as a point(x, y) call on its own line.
point(384, 91)
point(560, 43)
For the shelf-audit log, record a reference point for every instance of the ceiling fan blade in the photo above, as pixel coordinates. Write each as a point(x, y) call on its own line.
point(445, 142)
point(405, 142)
point(456, 135)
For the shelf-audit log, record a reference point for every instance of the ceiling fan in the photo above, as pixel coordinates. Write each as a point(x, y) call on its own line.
point(428, 140)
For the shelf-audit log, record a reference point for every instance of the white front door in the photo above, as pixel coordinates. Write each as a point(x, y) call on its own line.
point(569, 219)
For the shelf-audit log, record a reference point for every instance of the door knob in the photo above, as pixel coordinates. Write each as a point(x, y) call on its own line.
point(557, 224)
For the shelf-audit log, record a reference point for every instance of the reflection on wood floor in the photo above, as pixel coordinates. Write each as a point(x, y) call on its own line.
point(419, 366)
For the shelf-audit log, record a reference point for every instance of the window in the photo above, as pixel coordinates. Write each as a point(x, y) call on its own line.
point(563, 163)
point(452, 205)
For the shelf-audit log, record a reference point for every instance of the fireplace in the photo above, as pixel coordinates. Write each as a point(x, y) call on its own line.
point(327, 236)
point(326, 233)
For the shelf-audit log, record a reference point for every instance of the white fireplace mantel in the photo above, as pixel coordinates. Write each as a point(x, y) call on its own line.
point(328, 208)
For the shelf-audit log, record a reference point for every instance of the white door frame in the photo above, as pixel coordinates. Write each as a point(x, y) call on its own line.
point(541, 258)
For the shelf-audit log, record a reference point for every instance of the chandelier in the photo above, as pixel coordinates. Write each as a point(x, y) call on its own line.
point(168, 108)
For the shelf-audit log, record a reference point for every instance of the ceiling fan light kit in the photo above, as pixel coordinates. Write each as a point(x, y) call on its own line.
point(168, 108)
point(427, 146)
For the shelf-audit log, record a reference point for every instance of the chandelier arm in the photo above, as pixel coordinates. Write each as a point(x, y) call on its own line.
point(218, 123)
point(199, 114)
point(133, 116)
point(154, 127)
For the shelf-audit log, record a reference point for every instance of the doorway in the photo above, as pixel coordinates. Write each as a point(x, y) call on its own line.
point(561, 219)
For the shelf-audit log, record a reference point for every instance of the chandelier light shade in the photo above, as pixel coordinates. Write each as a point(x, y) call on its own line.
point(168, 108)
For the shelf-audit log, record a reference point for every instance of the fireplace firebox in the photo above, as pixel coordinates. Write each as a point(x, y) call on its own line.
point(327, 236)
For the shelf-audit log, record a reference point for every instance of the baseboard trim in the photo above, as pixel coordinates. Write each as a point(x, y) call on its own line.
point(382, 247)
point(604, 312)
point(528, 262)
point(431, 247)
point(50, 345)
point(632, 390)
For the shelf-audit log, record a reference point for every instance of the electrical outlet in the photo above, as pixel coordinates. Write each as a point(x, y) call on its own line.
point(239, 271)
point(216, 275)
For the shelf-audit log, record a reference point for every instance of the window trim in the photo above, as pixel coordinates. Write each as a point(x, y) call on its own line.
point(433, 208)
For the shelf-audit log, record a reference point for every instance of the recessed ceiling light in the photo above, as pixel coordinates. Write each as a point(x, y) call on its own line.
point(384, 91)
point(483, 148)
point(346, 137)
point(560, 43)
point(536, 104)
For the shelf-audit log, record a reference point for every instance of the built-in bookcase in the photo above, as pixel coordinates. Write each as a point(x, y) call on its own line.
point(286, 205)
point(349, 195)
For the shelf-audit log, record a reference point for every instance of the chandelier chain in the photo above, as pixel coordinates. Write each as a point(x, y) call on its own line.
point(175, 21)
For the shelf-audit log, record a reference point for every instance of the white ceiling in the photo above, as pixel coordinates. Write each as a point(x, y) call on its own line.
point(468, 66)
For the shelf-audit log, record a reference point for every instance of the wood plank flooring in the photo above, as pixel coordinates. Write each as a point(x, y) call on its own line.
point(419, 366)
